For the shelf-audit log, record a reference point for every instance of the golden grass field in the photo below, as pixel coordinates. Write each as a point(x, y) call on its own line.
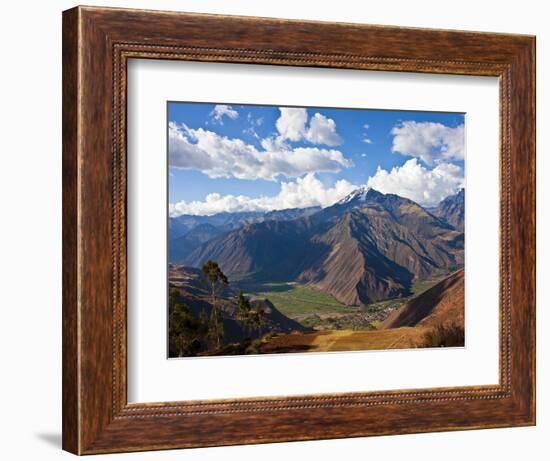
point(345, 340)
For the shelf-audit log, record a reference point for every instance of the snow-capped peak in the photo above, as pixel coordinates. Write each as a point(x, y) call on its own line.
point(359, 194)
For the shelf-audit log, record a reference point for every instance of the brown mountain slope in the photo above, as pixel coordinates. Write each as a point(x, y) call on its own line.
point(415, 239)
point(410, 237)
point(451, 210)
point(270, 248)
point(367, 247)
point(350, 267)
point(375, 250)
point(443, 304)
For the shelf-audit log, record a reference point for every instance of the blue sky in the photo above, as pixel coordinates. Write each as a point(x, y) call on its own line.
point(238, 157)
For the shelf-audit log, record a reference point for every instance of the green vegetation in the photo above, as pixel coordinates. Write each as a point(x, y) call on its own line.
point(320, 311)
point(294, 300)
point(187, 332)
point(391, 304)
point(375, 324)
point(192, 334)
point(216, 279)
point(422, 285)
point(216, 331)
point(250, 318)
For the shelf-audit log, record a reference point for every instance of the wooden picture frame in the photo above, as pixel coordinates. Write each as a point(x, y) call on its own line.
point(97, 43)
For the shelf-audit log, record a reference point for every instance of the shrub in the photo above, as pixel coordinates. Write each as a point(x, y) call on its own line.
point(255, 347)
point(444, 336)
point(375, 324)
point(269, 335)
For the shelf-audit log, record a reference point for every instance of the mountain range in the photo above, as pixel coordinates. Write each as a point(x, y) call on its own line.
point(180, 225)
point(365, 248)
point(451, 210)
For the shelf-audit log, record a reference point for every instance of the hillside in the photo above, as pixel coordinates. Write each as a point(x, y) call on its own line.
point(194, 293)
point(367, 247)
point(346, 340)
point(443, 304)
point(227, 221)
point(271, 249)
point(451, 210)
point(180, 247)
point(350, 267)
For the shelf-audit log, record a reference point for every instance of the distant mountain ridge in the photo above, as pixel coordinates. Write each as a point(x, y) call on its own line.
point(180, 247)
point(451, 210)
point(227, 221)
point(367, 247)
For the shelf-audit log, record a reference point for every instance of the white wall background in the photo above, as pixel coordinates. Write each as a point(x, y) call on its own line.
point(30, 230)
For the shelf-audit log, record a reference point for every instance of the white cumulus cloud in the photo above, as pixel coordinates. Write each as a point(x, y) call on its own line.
point(221, 110)
point(292, 126)
point(429, 141)
point(414, 181)
point(221, 157)
point(274, 143)
point(303, 192)
point(322, 130)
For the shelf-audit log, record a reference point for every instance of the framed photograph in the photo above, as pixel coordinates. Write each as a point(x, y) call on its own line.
point(317, 258)
point(281, 230)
